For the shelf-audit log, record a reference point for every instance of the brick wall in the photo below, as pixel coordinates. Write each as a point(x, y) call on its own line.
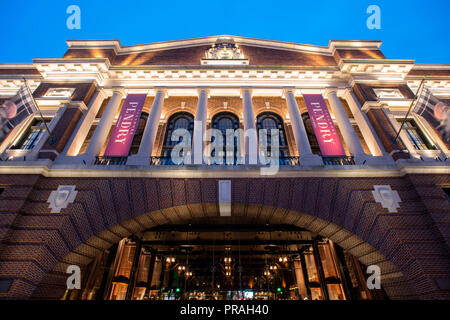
point(410, 246)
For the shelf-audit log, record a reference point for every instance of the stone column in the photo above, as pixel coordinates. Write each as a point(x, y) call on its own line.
point(345, 126)
point(368, 132)
point(307, 158)
point(150, 131)
point(104, 126)
point(200, 127)
point(82, 130)
point(250, 140)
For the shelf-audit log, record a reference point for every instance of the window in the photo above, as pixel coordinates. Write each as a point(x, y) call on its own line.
point(224, 121)
point(270, 120)
point(138, 135)
point(416, 136)
point(311, 135)
point(180, 120)
point(31, 136)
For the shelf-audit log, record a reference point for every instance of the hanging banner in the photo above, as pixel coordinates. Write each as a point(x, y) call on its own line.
point(122, 137)
point(324, 129)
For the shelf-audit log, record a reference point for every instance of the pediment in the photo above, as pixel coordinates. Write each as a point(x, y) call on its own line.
point(220, 50)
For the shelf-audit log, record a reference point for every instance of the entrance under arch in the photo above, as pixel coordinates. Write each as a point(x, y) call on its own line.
point(225, 260)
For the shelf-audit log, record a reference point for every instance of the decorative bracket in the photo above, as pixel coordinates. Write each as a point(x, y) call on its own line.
point(387, 197)
point(61, 198)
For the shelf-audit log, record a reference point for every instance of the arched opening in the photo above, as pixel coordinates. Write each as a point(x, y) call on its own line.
point(269, 121)
point(179, 120)
point(226, 123)
point(231, 258)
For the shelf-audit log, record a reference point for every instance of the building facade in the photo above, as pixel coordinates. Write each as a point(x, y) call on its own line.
point(103, 192)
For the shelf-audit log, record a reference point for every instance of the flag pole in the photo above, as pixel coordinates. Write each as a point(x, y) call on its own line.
point(416, 96)
point(52, 139)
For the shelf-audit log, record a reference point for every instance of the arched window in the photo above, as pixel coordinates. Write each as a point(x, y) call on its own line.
point(268, 121)
point(311, 135)
point(180, 120)
point(223, 121)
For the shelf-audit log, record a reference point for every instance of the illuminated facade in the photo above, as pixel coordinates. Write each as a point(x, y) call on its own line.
point(104, 192)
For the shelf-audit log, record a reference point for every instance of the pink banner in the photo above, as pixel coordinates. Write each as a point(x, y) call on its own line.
point(122, 137)
point(326, 133)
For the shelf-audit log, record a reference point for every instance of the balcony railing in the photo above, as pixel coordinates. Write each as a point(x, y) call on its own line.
point(290, 161)
point(161, 161)
point(164, 161)
point(110, 161)
point(338, 161)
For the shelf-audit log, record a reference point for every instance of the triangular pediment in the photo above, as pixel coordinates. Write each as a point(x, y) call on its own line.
point(206, 50)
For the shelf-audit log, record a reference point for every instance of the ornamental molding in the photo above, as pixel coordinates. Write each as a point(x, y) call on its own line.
point(224, 52)
point(61, 198)
point(388, 93)
point(387, 197)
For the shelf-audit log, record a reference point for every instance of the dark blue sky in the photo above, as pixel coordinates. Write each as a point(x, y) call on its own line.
point(409, 29)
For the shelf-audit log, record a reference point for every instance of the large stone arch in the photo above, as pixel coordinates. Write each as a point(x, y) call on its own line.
point(106, 210)
point(53, 285)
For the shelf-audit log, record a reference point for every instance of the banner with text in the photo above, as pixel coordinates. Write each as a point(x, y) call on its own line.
point(324, 129)
point(122, 137)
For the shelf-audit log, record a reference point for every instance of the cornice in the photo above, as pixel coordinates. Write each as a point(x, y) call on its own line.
point(216, 172)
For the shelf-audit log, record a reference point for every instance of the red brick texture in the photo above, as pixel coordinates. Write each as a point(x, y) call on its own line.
point(411, 246)
point(61, 133)
point(193, 55)
point(387, 133)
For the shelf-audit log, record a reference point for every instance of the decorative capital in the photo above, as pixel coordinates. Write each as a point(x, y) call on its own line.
point(330, 90)
point(119, 90)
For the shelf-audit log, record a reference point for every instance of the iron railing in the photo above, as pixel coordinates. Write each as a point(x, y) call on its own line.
point(338, 161)
point(165, 161)
point(110, 161)
point(290, 161)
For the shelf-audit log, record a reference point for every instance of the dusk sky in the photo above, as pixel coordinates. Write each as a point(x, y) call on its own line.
point(409, 29)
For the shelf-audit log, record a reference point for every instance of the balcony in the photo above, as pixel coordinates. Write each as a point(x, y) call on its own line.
point(284, 161)
point(110, 161)
point(289, 161)
point(338, 161)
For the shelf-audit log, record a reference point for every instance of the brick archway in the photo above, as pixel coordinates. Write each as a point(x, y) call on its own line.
point(342, 209)
point(53, 285)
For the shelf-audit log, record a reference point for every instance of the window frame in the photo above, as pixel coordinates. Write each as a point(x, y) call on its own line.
point(168, 144)
point(21, 139)
point(283, 142)
point(411, 125)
